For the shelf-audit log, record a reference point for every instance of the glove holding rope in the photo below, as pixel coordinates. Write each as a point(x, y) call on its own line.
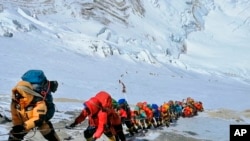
point(18, 131)
point(18, 128)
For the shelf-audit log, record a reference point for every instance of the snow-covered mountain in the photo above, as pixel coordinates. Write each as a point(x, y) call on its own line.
point(151, 31)
point(160, 49)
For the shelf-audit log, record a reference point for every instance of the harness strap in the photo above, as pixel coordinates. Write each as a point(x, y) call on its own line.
point(44, 93)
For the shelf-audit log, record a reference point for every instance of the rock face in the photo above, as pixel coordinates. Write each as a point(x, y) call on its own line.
point(105, 11)
point(145, 20)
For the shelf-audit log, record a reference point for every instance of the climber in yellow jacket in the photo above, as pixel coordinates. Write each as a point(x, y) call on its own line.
point(28, 110)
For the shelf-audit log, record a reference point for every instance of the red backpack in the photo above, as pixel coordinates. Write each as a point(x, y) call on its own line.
point(105, 99)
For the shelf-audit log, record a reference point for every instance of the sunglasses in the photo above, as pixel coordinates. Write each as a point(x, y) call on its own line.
point(18, 96)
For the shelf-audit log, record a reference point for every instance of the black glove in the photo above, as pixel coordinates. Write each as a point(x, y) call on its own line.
point(72, 125)
point(18, 128)
point(18, 132)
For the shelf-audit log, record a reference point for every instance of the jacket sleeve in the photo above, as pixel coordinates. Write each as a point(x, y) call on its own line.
point(81, 117)
point(15, 118)
point(102, 121)
point(38, 116)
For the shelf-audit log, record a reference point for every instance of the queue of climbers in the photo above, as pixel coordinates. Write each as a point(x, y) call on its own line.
point(145, 116)
point(32, 107)
point(109, 116)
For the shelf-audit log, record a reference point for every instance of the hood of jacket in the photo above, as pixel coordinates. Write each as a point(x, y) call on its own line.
point(93, 105)
point(20, 95)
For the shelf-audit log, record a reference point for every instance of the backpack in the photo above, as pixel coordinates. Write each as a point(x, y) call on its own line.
point(114, 104)
point(42, 86)
point(105, 99)
point(34, 76)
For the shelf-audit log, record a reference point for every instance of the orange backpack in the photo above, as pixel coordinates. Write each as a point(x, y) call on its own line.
point(187, 111)
point(198, 106)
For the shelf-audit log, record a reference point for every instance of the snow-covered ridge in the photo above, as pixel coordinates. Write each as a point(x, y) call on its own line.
point(125, 15)
point(157, 32)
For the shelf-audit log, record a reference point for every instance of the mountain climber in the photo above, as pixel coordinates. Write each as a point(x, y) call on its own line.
point(156, 115)
point(165, 114)
point(140, 116)
point(116, 121)
point(178, 109)
point(199, 106)
point(28, 110)
point(149, 114)
point(125, 114)
point(187, 111)
point(98, 109)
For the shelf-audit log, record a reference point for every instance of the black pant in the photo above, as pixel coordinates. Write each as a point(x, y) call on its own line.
point(119, 133)
point(89, 132)
point(46, 129)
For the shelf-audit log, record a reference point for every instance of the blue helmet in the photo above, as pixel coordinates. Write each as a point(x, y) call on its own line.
point(122, 101)
point(154, 106)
